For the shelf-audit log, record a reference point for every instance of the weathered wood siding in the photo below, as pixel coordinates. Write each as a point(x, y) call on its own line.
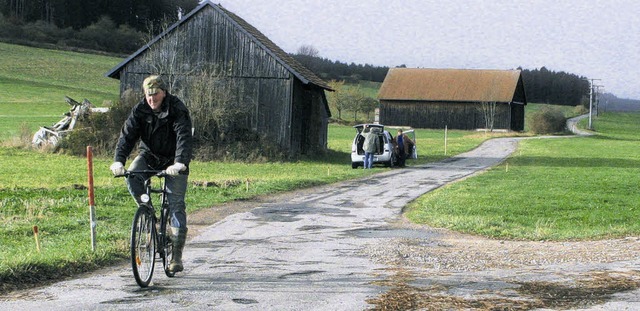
point(464, 116)
point(517, 117)
point(208, 38)
point(309, 119)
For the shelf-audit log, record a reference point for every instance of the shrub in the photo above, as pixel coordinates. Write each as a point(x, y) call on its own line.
point(222, 141)
point(580, 110)
point(548, 120)
point(41, 31)
point(100, 130)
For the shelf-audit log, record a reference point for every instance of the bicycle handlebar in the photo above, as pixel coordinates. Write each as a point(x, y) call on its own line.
point(157, 173)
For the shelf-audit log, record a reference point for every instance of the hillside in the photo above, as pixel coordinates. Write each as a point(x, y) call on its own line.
point(611, 103)
point(35, 81)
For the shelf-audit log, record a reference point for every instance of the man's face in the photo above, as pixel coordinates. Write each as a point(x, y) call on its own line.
point(155, 100)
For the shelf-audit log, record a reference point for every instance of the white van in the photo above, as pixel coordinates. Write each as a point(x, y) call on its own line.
point(386, 151)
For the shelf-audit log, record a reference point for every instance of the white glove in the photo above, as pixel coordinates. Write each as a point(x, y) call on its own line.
point(175, 169)
point(117, 168)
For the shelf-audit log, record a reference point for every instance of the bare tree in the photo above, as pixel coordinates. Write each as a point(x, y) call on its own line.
point(489, 112)
point(369, 104)
point(217, 114)
point(308, 50)
point(356, 100)
point(163, 57)
point(337, 100)
point(219, 117)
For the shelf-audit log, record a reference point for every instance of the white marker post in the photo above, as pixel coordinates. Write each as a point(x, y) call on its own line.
point(92, 207)
point(445, 140)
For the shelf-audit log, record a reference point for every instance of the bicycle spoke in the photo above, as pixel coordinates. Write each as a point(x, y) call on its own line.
point(142, 247)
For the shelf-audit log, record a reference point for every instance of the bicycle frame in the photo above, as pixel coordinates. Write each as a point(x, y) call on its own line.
point(156, 235)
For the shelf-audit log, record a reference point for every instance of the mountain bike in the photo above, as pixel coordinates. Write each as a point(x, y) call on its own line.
point(148, 236)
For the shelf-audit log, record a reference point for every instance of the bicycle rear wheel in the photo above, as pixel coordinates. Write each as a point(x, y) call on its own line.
point(167, 244)
point(143, 246)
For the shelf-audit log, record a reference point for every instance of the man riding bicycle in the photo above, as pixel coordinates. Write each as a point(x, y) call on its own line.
point(162, 124)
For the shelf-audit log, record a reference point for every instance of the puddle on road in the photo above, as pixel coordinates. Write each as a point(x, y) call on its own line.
point(290, 212)
point(300, 274)
point(244, 301)
point(315, 227)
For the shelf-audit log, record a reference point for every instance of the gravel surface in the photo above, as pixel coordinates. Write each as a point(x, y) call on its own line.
point(455, 252)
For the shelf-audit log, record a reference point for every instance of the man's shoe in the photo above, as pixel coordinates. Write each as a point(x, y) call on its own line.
point(178, 236)
point(175, 266)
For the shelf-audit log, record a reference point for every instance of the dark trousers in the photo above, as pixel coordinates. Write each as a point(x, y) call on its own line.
point(176, 188)
point(401, 157)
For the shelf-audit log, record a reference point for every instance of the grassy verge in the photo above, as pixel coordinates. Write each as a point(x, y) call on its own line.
point(550, 189)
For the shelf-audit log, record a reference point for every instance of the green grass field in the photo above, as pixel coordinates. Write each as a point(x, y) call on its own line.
point(550, 189)
point(554, 189)
point(34, 83)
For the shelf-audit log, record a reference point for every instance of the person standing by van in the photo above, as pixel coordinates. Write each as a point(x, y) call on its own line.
point(404, 145)
point(370, 146)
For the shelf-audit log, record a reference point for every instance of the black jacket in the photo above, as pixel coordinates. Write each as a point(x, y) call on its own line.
point(165, 137)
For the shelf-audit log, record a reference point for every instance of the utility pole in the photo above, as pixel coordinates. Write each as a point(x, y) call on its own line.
point(591, 101)
point(597, 99)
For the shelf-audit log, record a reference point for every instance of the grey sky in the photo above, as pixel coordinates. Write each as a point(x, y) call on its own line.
point(595, 39)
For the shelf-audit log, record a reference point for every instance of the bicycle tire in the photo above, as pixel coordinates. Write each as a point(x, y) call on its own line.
point(143, 246)
point(167, 244)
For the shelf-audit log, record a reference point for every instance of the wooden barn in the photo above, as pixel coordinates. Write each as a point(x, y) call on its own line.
point(284, 100)
point(435, 98)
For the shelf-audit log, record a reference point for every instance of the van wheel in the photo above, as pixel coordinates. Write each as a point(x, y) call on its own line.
point(392, 162)
point(354, 165)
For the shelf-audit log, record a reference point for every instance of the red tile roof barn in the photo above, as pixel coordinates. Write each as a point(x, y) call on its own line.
point(450, 85)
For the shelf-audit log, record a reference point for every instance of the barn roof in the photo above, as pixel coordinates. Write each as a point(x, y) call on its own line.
point(300, 71)
point(455, 85)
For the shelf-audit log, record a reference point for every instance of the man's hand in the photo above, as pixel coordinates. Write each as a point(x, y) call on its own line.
point(175, 169)
point(117, 168)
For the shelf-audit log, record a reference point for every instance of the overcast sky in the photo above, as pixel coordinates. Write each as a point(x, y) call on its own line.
point(590, 38)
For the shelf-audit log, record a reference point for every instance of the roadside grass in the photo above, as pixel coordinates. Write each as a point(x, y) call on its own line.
point(550, 189)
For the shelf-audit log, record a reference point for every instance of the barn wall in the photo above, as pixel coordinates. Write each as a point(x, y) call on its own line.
point(310, 120)
point(517, 117)
point(210, 39)
point(464, 116)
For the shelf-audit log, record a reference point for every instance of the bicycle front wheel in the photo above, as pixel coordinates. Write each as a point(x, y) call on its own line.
point(143, 246)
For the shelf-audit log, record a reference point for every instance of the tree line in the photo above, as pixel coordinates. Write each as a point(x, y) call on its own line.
point(556, 88)
point(78, 14)
point(336, 70)
point(119, 27)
